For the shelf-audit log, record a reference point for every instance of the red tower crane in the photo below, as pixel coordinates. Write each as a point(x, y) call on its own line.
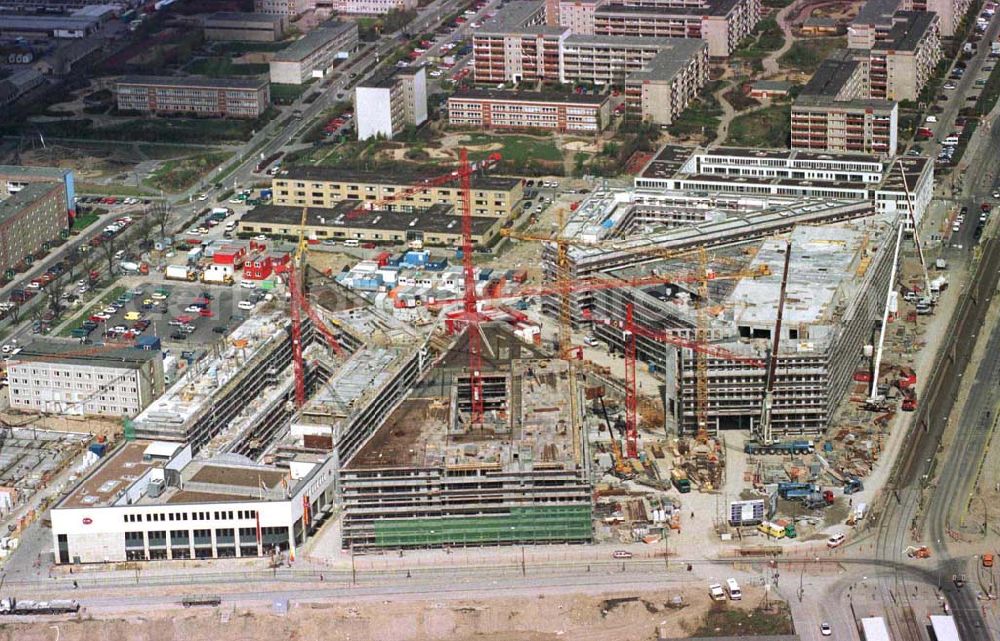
point(631, 397)
point(299, 305)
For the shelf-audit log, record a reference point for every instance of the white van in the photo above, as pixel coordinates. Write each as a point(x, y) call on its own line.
point(351, 243)
point(733, 590)
point(715, 591)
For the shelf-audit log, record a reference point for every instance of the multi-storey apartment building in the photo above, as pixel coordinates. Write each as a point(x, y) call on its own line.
point(833, 113)
point(388, 104)
point(251, 27)
point(371, 7)
point(29, 218)
point(325, 187)
point(720, 23)
point(665, 87)
point(313, 55)
point(493, 109)
point(197, 95)
point(52, 376)
point(901, 62)
point(668, 72)
point(13, 178)
point(287, 8)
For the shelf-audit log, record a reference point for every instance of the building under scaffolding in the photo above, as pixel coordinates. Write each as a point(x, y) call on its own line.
point(836, 293)
point(429, 477)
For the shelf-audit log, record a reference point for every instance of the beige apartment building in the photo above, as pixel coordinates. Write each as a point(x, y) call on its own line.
point(372, 7)
point(298, 186)
point(29, 218)
point(196, 95)
point(721, 23)
point(563, 112)
point(662, 89)
point(287, 8)
point(900, 66)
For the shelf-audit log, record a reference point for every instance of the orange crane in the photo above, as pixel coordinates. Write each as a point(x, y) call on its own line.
point(299, 305)
point(630, 331)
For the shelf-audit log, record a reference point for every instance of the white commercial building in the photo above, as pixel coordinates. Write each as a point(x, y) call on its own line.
point(151, 500)
point(60, 378)
point(385, 106)
point(372, 7)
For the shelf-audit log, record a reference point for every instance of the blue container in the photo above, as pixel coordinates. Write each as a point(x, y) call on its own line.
point(150, 343)
point(99, 449)
point(485, 273)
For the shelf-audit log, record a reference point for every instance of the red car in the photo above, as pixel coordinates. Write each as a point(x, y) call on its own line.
point(985, 207)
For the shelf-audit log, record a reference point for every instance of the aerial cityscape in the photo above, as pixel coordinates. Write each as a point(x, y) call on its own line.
point(499, 320)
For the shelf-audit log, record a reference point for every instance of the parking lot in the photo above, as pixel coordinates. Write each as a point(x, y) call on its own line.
point(183, 314)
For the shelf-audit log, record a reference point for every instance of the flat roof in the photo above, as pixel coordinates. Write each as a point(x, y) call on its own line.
point(670, 59)
point(234, 82)
point(113, 474)
point(823, 257)
point(707, 8)
point(516, 17)
point(438, 218)
point(875, 12)
point(831, 77)
point(389, 78)
point(236, 16)
point(13, 171)
point(908, 30)
point(24, 198)
point(529, 96)
point(70, 353)
point(14, 22)
point(315, 39)
point(397, 176)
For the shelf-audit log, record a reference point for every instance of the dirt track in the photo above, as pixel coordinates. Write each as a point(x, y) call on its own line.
point(536, 618)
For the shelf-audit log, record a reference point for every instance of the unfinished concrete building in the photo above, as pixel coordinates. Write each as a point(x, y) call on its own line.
point(429, 477)
point(836, 293)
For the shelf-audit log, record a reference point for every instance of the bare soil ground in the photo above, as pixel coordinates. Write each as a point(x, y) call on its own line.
point(529, 618)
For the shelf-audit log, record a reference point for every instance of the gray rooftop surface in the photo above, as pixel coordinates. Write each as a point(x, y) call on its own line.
point(529, 96)
point(72, 353)
point(23, 198)
point(236, 16)
point(248, 82)
point(908, 30)
point(315, 39)
point(437, 218)
point(13, 171)
point(396, 176)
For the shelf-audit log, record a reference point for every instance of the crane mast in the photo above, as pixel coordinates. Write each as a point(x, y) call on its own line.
point(764, 426)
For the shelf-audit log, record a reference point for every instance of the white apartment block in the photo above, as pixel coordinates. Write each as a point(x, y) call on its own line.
point(286, 8)
point(385, 106)
point(313, 55)
point(372, 7)
point(60, 378)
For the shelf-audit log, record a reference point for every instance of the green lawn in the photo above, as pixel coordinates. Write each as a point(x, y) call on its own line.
point(172, 130)
point(287, 94)
point(515, 149)
point(91, 310)
point(243, 47)
point(114, 189)
point(83, 221)
point(766, 37)
point(764, 128)
point(701, 116)
point(224, 66)
point(806, 55)
point(178, 175)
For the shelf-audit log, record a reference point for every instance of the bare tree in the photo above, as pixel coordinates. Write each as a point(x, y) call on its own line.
point(144, 231)
point(109, 247)
point(160, 215)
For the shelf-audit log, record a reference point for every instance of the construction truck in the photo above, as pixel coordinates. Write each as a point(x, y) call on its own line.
point(796, 491)
point(179, 272)
point(779, 447)
point(853, 485)
point(23, 606)
point(680, 480)
point(819, 499)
